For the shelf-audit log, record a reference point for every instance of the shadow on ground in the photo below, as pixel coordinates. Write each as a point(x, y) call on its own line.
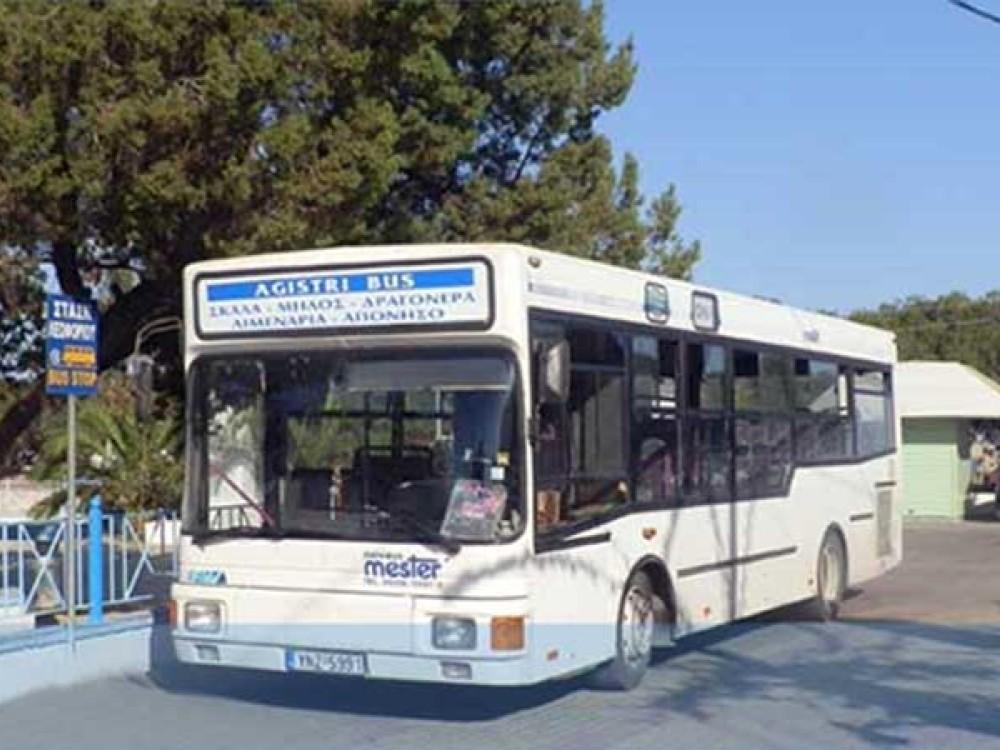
point(885, 681)
point(878, 681)
point(321, 693)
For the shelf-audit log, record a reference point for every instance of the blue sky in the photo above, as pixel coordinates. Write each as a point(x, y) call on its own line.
point(833, 155)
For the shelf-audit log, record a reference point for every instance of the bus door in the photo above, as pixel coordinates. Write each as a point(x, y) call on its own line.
point(581, 482)
point(698, 544)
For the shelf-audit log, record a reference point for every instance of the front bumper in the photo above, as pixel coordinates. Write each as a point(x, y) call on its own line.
point(499, 671)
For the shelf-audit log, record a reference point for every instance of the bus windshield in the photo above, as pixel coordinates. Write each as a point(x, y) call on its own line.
point(349, 445)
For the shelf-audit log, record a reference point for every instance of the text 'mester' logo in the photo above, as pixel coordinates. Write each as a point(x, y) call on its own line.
point(401, 570)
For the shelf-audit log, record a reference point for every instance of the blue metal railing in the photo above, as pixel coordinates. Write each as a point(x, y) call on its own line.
point(116, 555)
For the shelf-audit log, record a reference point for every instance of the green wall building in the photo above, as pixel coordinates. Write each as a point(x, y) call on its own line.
point(939, 404)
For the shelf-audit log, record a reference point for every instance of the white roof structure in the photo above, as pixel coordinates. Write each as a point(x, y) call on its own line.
point(945, 389)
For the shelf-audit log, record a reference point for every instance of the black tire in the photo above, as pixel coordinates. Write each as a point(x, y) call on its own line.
point(633, 637)
point(831, 579)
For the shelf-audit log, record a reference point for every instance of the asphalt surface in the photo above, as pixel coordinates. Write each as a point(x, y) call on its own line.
point(950, 575)
point(915, 664)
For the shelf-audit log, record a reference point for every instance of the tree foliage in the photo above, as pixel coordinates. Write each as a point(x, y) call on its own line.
point(21, 308)
point(951, 327)
point(138, 137)
point(137, 464)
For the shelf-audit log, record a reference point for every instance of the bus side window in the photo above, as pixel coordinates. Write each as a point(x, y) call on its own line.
point(656, 470)
point(598, 466)
point(581, 467)
point(654, 420)
point(763, 398)
point(873, 412)
point(708, 453)
point(822, 411)
point(551, 442)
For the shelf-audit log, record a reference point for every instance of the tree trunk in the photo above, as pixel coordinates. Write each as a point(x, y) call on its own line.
point(122, 320)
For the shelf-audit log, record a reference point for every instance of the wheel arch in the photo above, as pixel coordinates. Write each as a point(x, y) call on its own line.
point(836, 530)
point(663, 586)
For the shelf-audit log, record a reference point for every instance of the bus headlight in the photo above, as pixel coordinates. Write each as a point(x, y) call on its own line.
point(203, 617)
point(454, 633)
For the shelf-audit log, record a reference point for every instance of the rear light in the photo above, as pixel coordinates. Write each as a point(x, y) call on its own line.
point(172, 613)
point(507, 633)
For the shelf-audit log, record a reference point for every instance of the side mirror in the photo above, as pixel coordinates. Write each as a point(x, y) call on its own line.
point(139, 369)
point(553, 370)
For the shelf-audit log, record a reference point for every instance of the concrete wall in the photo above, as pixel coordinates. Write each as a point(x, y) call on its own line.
point(41, 659)
point(18, 494)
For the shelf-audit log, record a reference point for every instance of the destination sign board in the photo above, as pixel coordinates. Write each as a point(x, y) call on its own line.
point(71, 346)
point(336, 299)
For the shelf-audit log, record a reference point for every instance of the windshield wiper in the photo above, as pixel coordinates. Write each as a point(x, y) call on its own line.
point(265, 517)
point(431, 534)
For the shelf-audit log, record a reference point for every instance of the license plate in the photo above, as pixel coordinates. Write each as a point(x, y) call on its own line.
point(328, 662)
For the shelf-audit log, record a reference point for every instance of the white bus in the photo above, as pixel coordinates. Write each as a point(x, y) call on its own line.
point(490, 464)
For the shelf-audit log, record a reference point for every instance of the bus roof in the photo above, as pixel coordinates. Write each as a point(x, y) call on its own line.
point(571, 285)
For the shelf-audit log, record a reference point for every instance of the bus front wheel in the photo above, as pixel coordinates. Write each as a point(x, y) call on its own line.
point(831, 578)
point(633, 637)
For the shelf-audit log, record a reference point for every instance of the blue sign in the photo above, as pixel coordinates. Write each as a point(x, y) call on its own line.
point(317, 300)
point(71, 344)
point(304, 286)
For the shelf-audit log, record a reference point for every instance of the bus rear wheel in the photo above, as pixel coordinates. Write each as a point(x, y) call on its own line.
point(633, 637)
point(831, 578)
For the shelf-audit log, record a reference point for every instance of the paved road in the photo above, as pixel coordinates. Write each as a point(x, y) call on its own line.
point(775, 683)
point(950, 575)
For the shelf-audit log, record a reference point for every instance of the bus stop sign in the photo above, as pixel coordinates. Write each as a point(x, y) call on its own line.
point(71, 344)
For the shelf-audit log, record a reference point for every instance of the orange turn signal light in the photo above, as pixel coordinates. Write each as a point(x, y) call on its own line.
point(507, 633)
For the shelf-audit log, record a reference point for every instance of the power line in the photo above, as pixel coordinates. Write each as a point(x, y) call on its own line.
point(975, 11)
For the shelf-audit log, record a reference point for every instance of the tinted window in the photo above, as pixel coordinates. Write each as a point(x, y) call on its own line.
point(870, 380)
point(595, 407)
point(763, 456)
point(707, 459)
point(706, 372)
point(654, 371)
point(655, 426)
point(762, 381)
point(581, 451)
point(593, 346)
point(873, 412)
point(823, 438)
point(819, 386)
point(656, 469)
point(823, 416)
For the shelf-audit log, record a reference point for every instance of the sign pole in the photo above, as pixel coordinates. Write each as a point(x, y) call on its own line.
point(72, 341)
point(71, 524)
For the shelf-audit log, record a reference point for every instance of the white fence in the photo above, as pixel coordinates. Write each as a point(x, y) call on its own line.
point(134, 551)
